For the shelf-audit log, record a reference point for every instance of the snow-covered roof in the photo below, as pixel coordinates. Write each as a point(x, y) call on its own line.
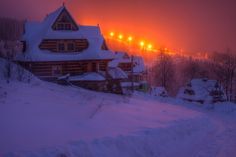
point(201, 89)
point(139, 66)
point(117, 73)
point(92, 76)
point(122, 57)
point(35, 32)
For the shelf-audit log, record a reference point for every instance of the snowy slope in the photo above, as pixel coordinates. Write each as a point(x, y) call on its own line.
point(35, 116)
point(41, 119)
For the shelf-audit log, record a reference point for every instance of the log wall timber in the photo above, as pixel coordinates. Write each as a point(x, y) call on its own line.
point(53, 45)
point(45, 69)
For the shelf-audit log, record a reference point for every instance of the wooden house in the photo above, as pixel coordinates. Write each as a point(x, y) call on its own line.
point(60, 50)
point(58, 46)
point(202, 90)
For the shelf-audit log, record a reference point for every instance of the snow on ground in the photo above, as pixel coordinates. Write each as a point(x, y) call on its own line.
point(40, 119)
point(41, 115)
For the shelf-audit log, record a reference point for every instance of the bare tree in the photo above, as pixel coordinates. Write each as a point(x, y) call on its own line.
point(164, 71)
point(224, 67)
point(191, 69)
point(194, 68)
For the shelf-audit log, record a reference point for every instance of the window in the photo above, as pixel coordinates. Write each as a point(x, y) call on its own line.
point(64, 45)
point(61, 47)
point(102, 66)
point(60, 26)
point(84, 67)
point(56, 70)
point(94, 67)
point(67, 26)
point(23, 46)
point(63, 26)
point(70, 47)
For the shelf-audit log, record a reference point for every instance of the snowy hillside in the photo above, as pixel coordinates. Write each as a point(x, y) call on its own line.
point(40, 119)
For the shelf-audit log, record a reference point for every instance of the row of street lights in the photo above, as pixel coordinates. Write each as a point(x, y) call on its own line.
point(142, 44)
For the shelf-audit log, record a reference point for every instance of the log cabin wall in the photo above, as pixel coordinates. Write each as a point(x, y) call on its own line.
point(64, 45)
point(52, 70)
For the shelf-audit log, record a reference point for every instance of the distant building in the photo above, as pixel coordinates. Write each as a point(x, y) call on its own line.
point(202, 91)
point(58, 49)
point(134, 68)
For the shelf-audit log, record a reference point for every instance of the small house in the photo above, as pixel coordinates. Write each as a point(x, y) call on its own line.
point(202, 90)
point(134, 68)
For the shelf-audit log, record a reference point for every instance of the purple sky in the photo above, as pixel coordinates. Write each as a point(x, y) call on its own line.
point(194, 25)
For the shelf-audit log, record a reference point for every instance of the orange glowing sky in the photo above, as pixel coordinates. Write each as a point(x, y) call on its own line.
point(193, 25)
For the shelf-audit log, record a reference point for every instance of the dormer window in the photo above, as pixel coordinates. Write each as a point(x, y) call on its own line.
point(63, 26)
point(65, 22)
point(60, 26)
point(67, 26)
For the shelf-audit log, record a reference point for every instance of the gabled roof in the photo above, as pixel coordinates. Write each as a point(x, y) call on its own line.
point(139, 66)
point(35, 32)
point(64, 12)
point(120, 57)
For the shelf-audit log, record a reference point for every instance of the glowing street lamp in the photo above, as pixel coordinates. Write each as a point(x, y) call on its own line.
point(130, 38)
point(142, 43)
point(120, 36)
point(112, 34)
point(149, 46)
